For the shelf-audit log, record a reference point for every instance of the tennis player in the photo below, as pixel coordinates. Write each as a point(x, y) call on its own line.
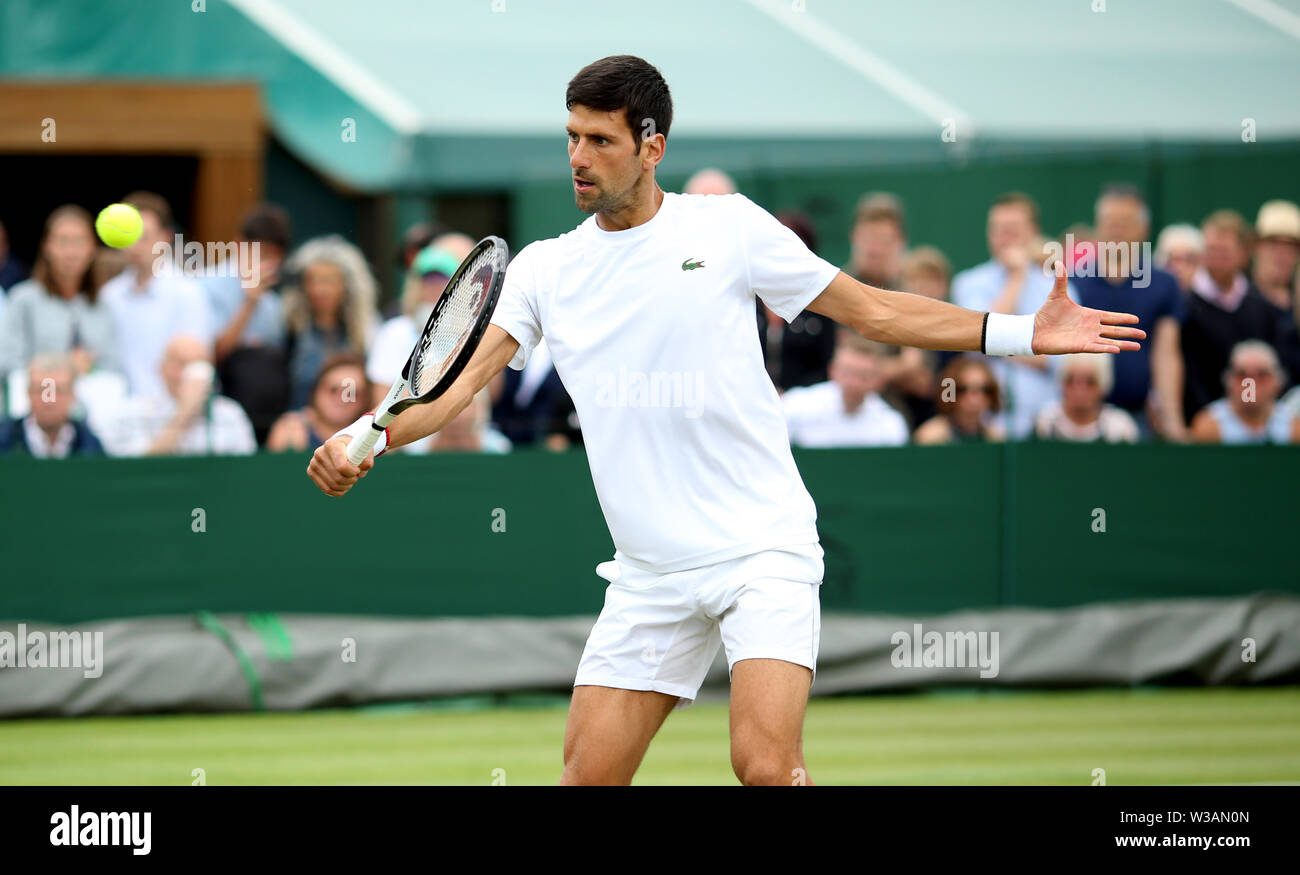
point(647, 309)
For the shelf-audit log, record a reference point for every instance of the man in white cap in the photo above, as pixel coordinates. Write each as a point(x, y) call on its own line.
point(1277, 251)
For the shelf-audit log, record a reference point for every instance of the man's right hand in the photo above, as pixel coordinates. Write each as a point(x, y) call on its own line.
point(330, 469)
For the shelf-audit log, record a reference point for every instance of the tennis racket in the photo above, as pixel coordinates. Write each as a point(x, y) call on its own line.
point(448, 341)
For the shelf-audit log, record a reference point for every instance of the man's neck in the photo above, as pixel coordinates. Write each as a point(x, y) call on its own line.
point(1224, 281)
point(637, 213)
point(1084, 416)
point(852, 404)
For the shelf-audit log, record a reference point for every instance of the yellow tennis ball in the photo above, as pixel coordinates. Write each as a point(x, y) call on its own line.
point(119, 225)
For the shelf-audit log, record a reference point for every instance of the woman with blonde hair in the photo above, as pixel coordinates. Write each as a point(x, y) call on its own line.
point(329, 308)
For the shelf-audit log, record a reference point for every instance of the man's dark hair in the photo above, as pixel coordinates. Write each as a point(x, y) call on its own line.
point(149, 202)
point(629, 83)
point(267, 223)
point(1019, 199)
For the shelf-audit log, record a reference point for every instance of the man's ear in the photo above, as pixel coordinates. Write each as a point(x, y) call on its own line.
point(652, 148)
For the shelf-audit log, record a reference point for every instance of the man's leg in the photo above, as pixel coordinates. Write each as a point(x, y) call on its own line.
point(768, 700)
point(608, 732)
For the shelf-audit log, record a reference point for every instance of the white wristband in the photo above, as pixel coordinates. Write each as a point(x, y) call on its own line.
point(1009, 335)
point(360, 427)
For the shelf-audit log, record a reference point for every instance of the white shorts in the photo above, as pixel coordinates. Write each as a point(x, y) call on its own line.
point(661, 631)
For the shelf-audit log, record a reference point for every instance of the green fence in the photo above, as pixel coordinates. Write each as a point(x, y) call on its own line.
point(911, 529)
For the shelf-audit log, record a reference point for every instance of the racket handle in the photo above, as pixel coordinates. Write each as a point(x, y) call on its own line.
point(359, 448)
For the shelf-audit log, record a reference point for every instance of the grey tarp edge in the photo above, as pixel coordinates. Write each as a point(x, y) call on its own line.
point(174, 664)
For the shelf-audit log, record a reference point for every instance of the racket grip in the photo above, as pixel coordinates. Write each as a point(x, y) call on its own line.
point(359, 448)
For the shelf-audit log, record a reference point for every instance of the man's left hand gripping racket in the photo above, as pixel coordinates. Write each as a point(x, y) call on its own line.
point(448, 341)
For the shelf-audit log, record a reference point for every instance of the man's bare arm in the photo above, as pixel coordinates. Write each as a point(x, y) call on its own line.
point(494, 352)
point(335, 475)
point(1060, 325)
point(1167, 377)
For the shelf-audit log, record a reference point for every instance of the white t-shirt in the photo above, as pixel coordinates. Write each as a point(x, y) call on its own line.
point(652, 331)
point(222, 430)
point(390, 350)
point(816, 417)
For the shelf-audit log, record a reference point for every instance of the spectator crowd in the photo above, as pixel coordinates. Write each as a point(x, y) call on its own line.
point(128, 353)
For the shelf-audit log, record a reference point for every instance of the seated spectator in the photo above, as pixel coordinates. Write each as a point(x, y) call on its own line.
point(426, 279)
point(1147, 382)
point(151, 302)
point(186, 418)
point(1277, 252)
point(1082, 416)
point(877, 241)
point(1248, 413)
point(458, 244)
point(249, 321)
point(968, 396)
point(1180, 250)
point(329, 308)
point(60, 310)
point(801, 349)
point(908, 371)
point(49, 431)
point(1011, 281)
point(1223, 310)
point(471, 431)
point(526, 400)
point(12, 269)
point(926, 271)
point(339, 397)
point(710, 180)
point(845, 411)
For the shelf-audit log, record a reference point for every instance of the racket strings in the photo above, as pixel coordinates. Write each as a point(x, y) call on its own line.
point(454, 322)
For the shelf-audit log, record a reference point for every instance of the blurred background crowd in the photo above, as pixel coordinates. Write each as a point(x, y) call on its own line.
point(125, 353)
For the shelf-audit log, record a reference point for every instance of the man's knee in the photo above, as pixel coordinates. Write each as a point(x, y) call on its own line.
point(769, 768)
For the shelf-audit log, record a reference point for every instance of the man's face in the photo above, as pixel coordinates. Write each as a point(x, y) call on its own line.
point(877, 248)
point(604, 159)
point(856, 373)
point(1276, 258)
point(1224, 254)
point(140, 253)
point(1081, 389)
point(1183, 262)
point(50, 395)
point(1119, 220)
point(927, 283)
point(1009, 227)
point(179, 353)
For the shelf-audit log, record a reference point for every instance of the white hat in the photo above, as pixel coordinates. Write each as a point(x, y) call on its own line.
point(1278, 219)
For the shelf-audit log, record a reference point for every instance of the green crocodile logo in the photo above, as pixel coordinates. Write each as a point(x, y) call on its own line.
point(691, 265)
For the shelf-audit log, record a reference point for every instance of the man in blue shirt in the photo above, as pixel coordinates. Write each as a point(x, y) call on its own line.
point(249, 323)
point(1121, 276)
point(1013, 281)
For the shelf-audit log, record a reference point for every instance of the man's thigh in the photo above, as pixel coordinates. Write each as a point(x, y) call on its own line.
point(608, 732)
point(768, 700)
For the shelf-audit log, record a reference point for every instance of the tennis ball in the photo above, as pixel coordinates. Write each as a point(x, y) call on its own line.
point(119, 225)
